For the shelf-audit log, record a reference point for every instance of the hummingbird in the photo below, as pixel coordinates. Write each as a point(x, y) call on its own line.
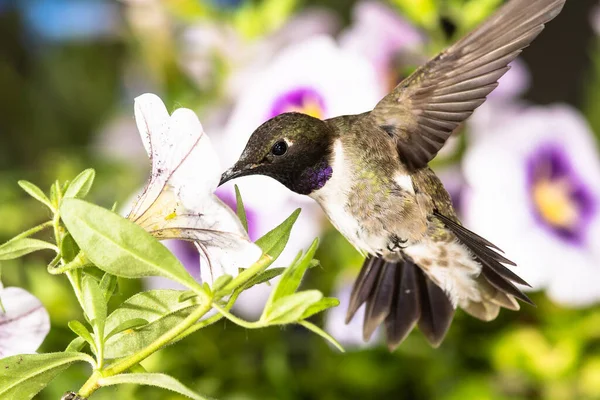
point(369, 173)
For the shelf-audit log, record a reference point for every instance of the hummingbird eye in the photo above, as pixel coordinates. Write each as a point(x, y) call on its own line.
point(279, 148)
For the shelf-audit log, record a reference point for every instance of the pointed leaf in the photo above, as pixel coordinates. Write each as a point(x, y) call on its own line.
point(264, 276)
point(292, 276)
point(23, 376)
point(80, 330)
point(119, 246)
point(273, 242)
point(68, 248)
point(322, 333)
point(20, 247)
point(319, 306)
point(81, 185)
point(290, 308)
point(152, 379)
point(221, 282)
point(36, 193)
point(94, 305)
point(76, 345)
point(240, 210)
point(130, 324)
point(108, 285)
point(160, 308)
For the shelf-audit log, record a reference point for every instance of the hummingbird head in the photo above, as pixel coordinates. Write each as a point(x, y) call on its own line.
point(292, 148)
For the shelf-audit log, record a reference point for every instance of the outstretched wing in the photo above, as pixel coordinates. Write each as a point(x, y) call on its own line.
point(423, 110)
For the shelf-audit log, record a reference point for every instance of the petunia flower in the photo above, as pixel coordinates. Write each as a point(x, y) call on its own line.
point(386, 39)
point(179, 202)
point(534, 190)
point(24, 322)
point(316, 77)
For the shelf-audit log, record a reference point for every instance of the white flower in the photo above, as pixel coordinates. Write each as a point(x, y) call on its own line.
point(595, 18)
point(24, 323)
point(178, 201)
point(535, 192)
point(315, 77)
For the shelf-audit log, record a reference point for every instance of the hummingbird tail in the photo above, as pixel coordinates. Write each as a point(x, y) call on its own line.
point(401, 295)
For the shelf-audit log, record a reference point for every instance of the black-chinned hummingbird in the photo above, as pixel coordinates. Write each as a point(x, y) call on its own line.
point(370, 175)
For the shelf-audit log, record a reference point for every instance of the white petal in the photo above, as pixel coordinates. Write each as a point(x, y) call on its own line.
point(24, 325)
point(152, 119)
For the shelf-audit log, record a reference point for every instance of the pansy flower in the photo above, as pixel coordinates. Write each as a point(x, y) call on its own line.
point(534, 189)
point(24, 322)
point(179, 202)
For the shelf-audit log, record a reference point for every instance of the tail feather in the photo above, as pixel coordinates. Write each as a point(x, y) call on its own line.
point(402, 295)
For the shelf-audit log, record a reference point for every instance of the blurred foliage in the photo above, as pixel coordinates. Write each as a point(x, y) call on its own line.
point(57, 95)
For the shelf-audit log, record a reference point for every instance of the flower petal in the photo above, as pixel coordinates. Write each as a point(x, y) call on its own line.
point(24, 325)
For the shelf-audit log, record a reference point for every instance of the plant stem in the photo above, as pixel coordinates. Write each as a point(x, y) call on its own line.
point(120, 366)
point(33, 230)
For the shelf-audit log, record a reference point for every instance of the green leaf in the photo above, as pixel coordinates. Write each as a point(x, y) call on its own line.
point(81, 185)
point(130, 324)
point(221, 282)
point(80, 330)
point(321, 305)
point(292, 276)
point(264, 276)
point(23, 376)
point(290, 308)
point(19, 247)
point(152, 379)
point(186, 295)
point(68, 248)
point(94, 305)
point(108, 285)
point(119, 246)
point(55, 194)
point(322, 333)
point(76, 345)
point(273, 242)
point(240, 210)
point(36, 193)
point(138, 368)
point(160, 308)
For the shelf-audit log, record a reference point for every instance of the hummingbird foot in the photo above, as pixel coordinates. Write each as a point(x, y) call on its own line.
point(396, 244)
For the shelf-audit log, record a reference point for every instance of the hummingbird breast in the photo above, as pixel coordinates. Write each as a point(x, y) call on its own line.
point(371, 201)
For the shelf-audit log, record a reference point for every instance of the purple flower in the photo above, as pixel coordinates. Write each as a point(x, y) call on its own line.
point(534, 190)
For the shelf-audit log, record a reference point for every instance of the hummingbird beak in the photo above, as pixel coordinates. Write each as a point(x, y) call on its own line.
point(235, 172)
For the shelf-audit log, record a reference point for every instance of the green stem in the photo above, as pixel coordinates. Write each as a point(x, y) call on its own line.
point(247, 274)
point(124, 364)
point(33, 230)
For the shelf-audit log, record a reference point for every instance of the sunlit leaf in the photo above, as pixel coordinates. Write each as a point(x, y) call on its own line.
point(81, 185)
point(76, 345)
point(160, 308)
point(290, 308)
point(119, 246)
point(108, 285)
point(313, 328)
point(152, 379)
point(20, 247)
point(274, 241)
point(292, 276)
point(36, 193)
point(240, 210)
point(94, 305)
point(319, 306)
point(23, 376)
point(80, 330)
point(130, 324)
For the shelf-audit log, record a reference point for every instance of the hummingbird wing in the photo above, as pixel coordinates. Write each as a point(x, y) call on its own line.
point(424, 109)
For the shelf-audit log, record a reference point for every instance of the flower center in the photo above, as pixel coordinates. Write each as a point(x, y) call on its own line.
point(304, 100)
point(560, 200)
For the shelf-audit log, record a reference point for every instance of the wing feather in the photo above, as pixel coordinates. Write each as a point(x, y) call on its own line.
point(423, 110)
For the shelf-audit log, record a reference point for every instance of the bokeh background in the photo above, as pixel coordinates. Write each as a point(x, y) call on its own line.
point(525, 174)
